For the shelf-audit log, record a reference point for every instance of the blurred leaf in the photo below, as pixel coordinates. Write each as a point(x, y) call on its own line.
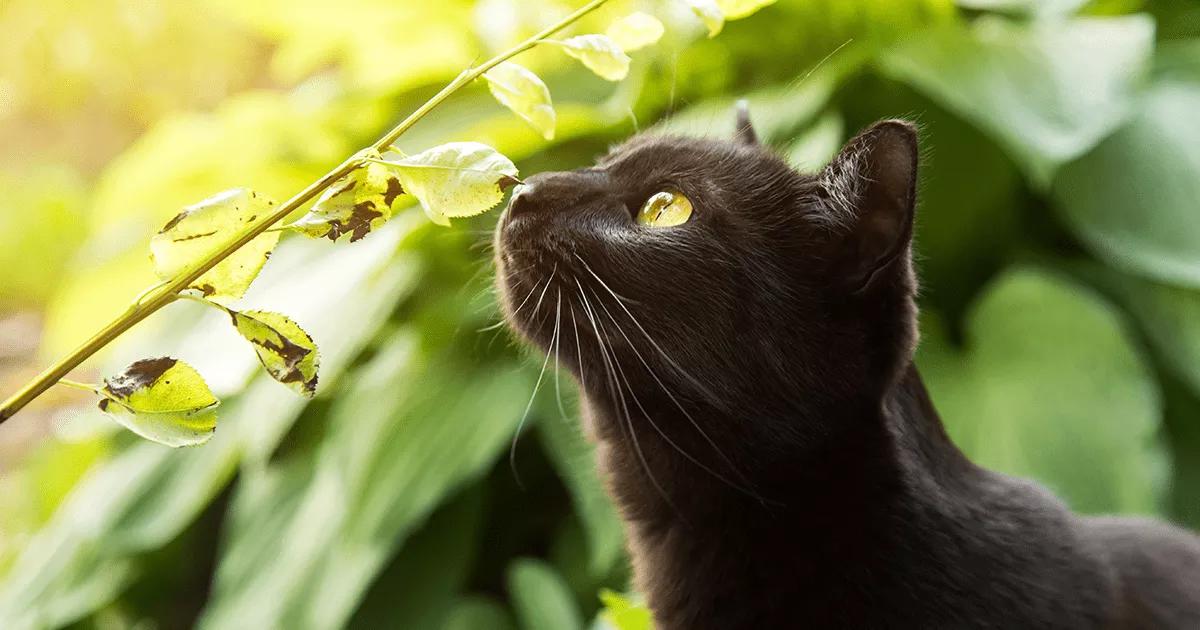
point(710, 14)
point(599, 53)
point(541, 597)
point(1034, 7)
point(574, 461)
point(457, 179)
point(738, 9)
point(207, 226)
point(284, 349)
point(404, 420)
point(164, 400)
point(1050, 387)
point(417, 591)
point(817, 145)
point(40, 219)
point(635, 31)
point(1047, 91)
point(1170, 318)
point(622, 614)
point(477, 613)
point(354, 205)
point(523, 92)
point(1133, 199)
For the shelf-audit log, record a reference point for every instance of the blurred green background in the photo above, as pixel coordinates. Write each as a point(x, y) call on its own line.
point(1058, 241)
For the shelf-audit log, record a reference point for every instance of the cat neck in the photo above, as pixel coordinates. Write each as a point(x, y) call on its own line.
point(849, 509)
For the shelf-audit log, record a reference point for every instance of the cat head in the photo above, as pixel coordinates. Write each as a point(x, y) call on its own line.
point(713, 270)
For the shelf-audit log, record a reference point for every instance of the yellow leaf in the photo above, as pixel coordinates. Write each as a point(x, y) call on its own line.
point(522, 91)
point(164, 400)
point(458, 179)
point(738, 9)
point(203, 228)
point(354, 205)
point(710, 13)
point(635, 31)
point(284, 349)
point(599, 53)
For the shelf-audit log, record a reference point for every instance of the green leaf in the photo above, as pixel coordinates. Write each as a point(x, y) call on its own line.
point(164, 400)
point(635, 31)
point(1047, 91)
point(458, 179)
point(1034, 7)
point(710, 13)
point(205, 227)
point(574, 461)
point(541, 597)
point(522, 91)
point(738, 9)
point(478, 613)
point(354, 205)
point(623, 614)
point(599, 53)
point(1050, 386)
point(1133, 199)
point(284, 349)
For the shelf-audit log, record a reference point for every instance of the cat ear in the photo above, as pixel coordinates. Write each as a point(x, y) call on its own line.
point(872, 187)
point(744, 131)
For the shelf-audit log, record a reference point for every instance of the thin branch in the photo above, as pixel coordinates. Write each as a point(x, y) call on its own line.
point(165, 293)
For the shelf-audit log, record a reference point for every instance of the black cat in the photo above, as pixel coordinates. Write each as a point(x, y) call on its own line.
point(743, 336)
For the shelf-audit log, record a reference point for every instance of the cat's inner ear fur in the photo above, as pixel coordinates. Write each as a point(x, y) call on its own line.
point(744, 130)
point(871, 189)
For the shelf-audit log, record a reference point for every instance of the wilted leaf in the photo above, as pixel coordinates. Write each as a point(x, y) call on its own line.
point(738, 9)
point(623, 614)
point(522, 91)
point(164, 400)
point(458, 179)
point(354, 205)
point(635, 31)
point(710, 13)
point(204, 228)
point(285, 350)
point(599, 53)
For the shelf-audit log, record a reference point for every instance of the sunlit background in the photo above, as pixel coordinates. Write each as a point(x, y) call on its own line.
point(1058, 240)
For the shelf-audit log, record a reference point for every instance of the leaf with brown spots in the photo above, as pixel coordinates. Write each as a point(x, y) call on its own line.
point(164, 400)
point(457, 179)
point(205, 227)
point(284, 349)
point(354, 205)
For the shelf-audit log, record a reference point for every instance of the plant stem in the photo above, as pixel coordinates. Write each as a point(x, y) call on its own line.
point(159, 296)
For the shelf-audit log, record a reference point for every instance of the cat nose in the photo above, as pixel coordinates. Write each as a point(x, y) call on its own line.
point(548, 191)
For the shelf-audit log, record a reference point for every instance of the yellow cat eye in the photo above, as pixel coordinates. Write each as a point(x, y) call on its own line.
point(665, 209)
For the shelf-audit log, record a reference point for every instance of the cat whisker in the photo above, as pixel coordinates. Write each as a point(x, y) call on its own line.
point(516, 310)
point(614, 387)
point(746, 489)
point(512, 451)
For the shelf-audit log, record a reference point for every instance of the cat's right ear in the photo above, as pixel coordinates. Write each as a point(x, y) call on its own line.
point(871, 191)
point(743, 128)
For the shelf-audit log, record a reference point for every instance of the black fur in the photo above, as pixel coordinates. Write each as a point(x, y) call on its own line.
point(759, 421)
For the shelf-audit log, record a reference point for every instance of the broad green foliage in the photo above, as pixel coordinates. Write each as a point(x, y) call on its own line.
point(635, 31)
point(599, 53)
point(355, 205)
point(285, 350)
point(1031, 337)
point(206, 227)
point(164, 400)
point(459, 179)
point(387, 499)
point(1046, 91)
point(520, 90)
point(541, 598)
point(1134, 198)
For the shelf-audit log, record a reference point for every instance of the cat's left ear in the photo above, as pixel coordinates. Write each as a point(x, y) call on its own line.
point(871, 187)
point(744, 131)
